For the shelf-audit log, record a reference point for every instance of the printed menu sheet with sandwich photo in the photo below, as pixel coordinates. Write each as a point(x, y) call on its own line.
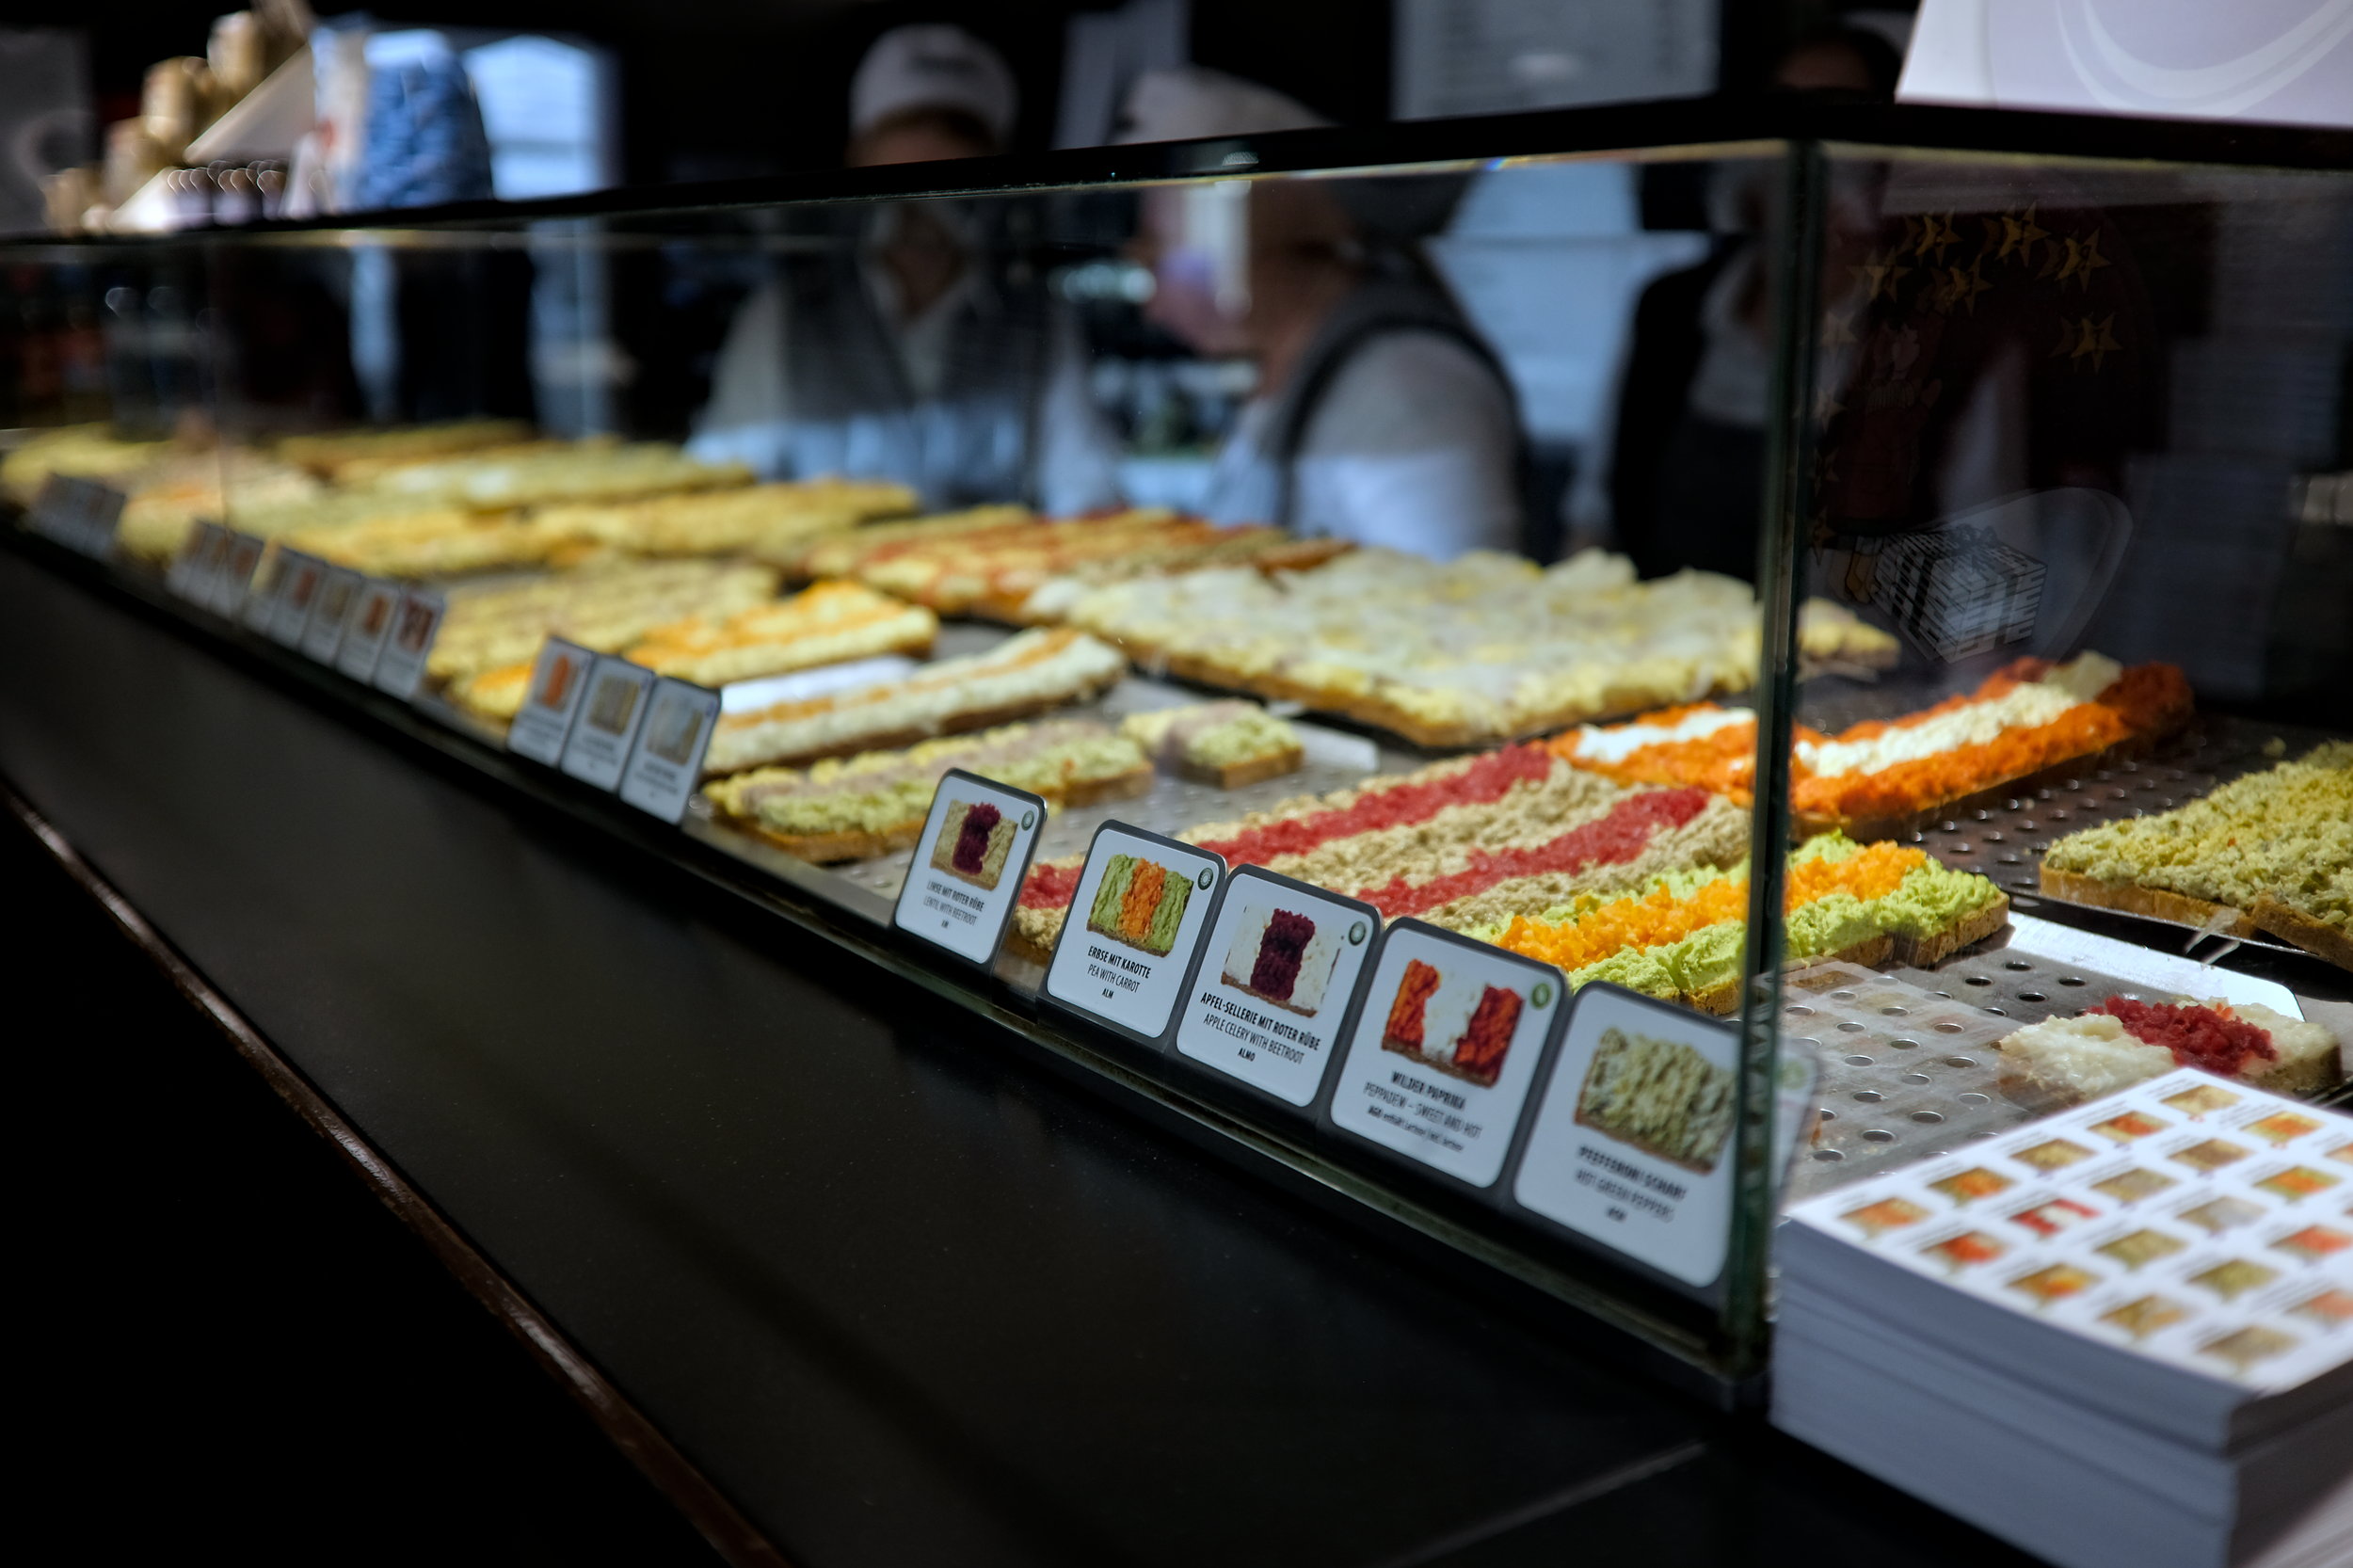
point(969, 864)
point(1142, 904)
point(1273, 986)
point(2192, 1220)
point(1444, 1050)
point(1632, 1143)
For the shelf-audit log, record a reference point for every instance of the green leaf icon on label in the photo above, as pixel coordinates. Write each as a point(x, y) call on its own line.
point(1542, 996)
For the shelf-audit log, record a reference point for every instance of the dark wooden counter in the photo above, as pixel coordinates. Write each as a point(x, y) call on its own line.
point(858, 1282)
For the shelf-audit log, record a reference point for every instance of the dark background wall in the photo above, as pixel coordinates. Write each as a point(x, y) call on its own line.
point(714, 88)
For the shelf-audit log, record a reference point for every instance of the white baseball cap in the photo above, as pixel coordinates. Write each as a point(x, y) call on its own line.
point(933, 66)
point(1192, 102)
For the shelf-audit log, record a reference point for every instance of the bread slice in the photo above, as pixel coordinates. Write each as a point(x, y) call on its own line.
point(827, 849)
point(2133, 899)
point(1116, 786)
point(2317, 937)
point(1252, 770)
point(1035, 932)
point(1926, 952)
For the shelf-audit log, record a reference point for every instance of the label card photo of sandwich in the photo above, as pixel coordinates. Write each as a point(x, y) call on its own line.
point(1140, 909)
point(1444, 1048)
point(1632, 1141)
point(1271, 988)
point(968, 865)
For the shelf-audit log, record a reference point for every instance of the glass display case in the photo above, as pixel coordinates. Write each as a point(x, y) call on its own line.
point(1577, 681)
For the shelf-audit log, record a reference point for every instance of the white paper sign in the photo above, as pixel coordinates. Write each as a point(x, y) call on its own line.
point(1444, 1047)
point(400, 668)
point(240, 558)
point(559, 677)
point(80, 514)
point(1142, 905)
point(666, 762)
point(191, 573)
point(970, 865)
point(609, 718)
point(1272, 990)
point(339, 590)
point(298, 594)
point(275, 571)
point(369, 628)
point(1632, 1145)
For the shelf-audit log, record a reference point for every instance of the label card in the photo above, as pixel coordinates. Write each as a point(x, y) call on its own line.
point(79, 514)
point(300, 577)
point(1632, 1143)
point(1142, 907)
point(1444, 1048)
point(558, 677)
point(370, 626)
point(192, 571)
point(1267, 1000)
point(270, 587)
point(970, 865)
point(612, 711)
point(339, 590)
point(666, 762)
point(240, 558)
point(400, 668)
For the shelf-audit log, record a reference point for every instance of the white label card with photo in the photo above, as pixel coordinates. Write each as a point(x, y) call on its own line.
point(1140, 912)
point(1445, 1046)
point(559, 676)
point(666, 764)
point(240, 559)
point(400, 668)
point(968, 866)
point(1633, 1139)
point(274, 570)
point(1270, 992)
point(80, 514)
point(369, 629)
point(191, 572)
point(609, 717)
point(339, 590)
point(301, 577)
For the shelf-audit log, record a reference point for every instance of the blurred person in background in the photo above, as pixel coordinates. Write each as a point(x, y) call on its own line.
point(1379, 416)
point(1688, 448)
point(903, 351)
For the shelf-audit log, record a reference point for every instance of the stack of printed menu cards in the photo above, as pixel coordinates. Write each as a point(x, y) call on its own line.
point(2122, 1336)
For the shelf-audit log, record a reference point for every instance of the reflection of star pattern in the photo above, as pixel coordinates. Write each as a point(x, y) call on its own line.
point(2086, 339)
point(1881, 272)
point(1936, 236)
point(1838, 330)
point(2019, 235)
point(1961, 286)
point(2083, 260)
point(1826, 406)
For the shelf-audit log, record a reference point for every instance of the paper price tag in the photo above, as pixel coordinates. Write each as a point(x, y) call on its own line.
point(1632, 1142)
point(323, 636)
point(611, 713)
point(666, 762)
point(298, 596)
point(241, 557)
point(369, 629)
point(559, 676)
point(1444, 1048)
point(400, 668)
point(968, 867)
point(1142, 905)
point(80, 514)
point(191, 573)
point(276, 571)
point(1267, 1000)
